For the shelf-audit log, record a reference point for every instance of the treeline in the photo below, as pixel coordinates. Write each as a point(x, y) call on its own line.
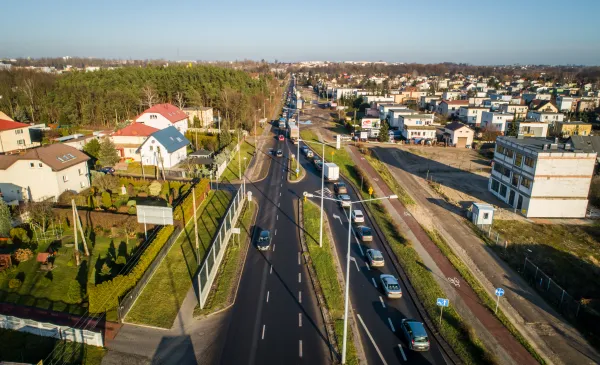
point(105, 97)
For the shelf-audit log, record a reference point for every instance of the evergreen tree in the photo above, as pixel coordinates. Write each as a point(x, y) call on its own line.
point(107, 154)
point(92, 148)
point(384, 135)
point(5, 219)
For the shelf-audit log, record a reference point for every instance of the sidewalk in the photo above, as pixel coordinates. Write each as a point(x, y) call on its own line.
point(553, 337)
point(497, 339)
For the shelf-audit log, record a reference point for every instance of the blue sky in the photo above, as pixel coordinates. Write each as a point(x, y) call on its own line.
point(477, 32)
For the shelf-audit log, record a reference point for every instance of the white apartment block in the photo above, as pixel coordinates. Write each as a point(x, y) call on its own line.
point(395, 114)
point(417, 126)
point(520, 111)
point(471, 114)
point(546, 117)
point(497, 121)
point(540, 177)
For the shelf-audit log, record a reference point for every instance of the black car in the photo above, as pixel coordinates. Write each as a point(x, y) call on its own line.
point(264, 240)
point(340, 188)
point(107, 170)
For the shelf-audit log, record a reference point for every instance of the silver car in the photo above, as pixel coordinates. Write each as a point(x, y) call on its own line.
point(390, 286)
point(415, 335)
point(344, 200)
point(375, 258)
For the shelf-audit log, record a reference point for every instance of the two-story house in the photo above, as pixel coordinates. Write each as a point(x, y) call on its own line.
point(161, 116)
point(540, 177)
point(496, 121)
point(564, 103)
point(417, 126)
point(547, 117)
point(14, 136)
point(43, 173)
point(384, 109)
point(471, 114)
point(519, 111)
point(395, 114)
point(450, 108)
point(128, 140)
point(164, 148)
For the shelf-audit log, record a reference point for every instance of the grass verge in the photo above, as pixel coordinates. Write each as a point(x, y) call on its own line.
point(389, 179)
point(292, 175)
point(322, 260)
point(159, 302)
point(480, 291)
point(232, 172)
point(223, 291)
point(25, 347)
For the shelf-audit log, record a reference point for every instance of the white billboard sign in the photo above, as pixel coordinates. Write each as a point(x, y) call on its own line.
point(150, 214)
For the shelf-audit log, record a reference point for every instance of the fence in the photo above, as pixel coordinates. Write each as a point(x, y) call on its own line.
point(210, 266)
point(51, 330)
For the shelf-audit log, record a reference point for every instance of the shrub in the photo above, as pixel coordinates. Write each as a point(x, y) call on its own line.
point(105, 270)
point(106, 182)
point(65, 197)
point(106, 200)
point(20, 235)
point(23, 254)
point(14, 283)
point(74, 293)
point(155, 188)
point(121, 260)
point(131, 203)
point(132, 210)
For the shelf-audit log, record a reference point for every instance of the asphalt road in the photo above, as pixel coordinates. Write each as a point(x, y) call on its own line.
point(381, 335)
point(275, 319)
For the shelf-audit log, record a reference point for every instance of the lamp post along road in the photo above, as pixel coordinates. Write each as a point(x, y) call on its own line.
point(347, 290)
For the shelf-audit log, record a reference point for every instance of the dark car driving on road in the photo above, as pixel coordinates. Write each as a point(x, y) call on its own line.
point(264, 240)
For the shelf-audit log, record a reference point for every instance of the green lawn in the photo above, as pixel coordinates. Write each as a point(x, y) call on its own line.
point(28, 348)
point(389, 179)
point(136, 168)
point(292, 170)
point(233, 167)
point(322, 260)
point(162, 297)
point(225, 283)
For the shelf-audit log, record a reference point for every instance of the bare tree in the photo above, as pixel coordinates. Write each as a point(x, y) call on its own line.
point(40, 214)
point(180, 100)
point(28, 88)
point(149, 96)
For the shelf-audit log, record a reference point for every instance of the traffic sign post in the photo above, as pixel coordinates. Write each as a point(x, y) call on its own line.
point(499, 293)
point(442, 302)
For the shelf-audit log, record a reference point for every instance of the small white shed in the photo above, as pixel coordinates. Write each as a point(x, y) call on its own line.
point(482, 214)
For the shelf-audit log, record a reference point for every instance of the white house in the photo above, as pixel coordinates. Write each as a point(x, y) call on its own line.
point(546, 117)
point(384, 109)
point(540, 177)
point(532, 128)
point(14, 136)
point(471, 114)
point(394, 116)
point(340, 92)
point(520, 111)
point(417, 126)
point(495, 120)
point(564, 103)
point(449, 108)
point(43, 173)
point(162, 116)
point(164, 148)
point(129, 139)
point(457, 134)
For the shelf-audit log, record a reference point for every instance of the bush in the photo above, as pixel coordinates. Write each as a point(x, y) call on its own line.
point(74, 293)
point(131, 203)
point(19, 235)
point(66, 197)
point(23, 254)
point(105, 296)
point(155, 188)
point(106, 182)
point(106, 200)
point(185, 209)
point(14, 283)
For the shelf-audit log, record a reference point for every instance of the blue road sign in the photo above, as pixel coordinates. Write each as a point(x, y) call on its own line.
point(442, 302)
point(499, 292)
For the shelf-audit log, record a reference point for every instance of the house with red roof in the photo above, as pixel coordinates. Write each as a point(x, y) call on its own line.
point(161, 116)
point(127, 140)
point(14, 136)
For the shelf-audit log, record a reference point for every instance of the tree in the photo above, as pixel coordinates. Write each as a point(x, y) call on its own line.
point(74, 292)
point(23, 254)
point(155, 188)
point(105, 270)
point(105, 182)
point(107, 155)
point(19, 235)
point(40, 213)
point(490, 133)
point(149, 96)
point(180, 100)
point(5, 219)
point(106, 200)
point(92, 148)
point(384, 135)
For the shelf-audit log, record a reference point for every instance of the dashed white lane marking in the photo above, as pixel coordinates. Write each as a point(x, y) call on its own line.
point(263, 333)
point(371, 338)
point(382, 302)
point(273, 247)
point(300, 296)
point(277, 216)
point(268, 297)
point(391, 325)
point(281, 184)
point(275, 231)
point(278, 205)
point(300, 348)
point(299, 277)
point(299, 319)
point(368, 267)
point(279, 194)
point(402, 352)
point(299, 258)
point(374, 283)
point(271, 271)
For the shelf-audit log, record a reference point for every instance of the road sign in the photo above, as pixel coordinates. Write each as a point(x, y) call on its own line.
point(442, 302)
point(499, 292)
point(370, 190)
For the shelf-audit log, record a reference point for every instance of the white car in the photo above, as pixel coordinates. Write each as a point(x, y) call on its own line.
point(390, 286)
point(375, 258)
point(357, 216)
point(344, 200)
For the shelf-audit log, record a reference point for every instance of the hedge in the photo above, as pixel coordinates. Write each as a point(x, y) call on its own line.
point(105, 296)
point(186, 208)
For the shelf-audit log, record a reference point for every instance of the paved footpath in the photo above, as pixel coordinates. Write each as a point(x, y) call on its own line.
point(554, 338)
point(492, 332)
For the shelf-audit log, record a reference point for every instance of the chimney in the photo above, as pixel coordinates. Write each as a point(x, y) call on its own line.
point(555, 140)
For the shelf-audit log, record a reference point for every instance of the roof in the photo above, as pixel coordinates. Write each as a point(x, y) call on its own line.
point(455, 126)
point(421, 127)
point(586, 143)
point(4, 116)
point(135, 129)
point(456, 102)
point(201, 153)
point(58, 156)
point(417, 116)
point(169, 111)
point(540, 104)
point(6, 125)
point(170, 138)
point(536, 144)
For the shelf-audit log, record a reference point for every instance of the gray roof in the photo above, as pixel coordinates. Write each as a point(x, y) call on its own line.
point(171, 139)
point(586, 143)
point(455, 125)
point(201, 153)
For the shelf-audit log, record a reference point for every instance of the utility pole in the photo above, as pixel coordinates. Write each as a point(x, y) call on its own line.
point(85, 247)
point(196, 226)
point(74, 226)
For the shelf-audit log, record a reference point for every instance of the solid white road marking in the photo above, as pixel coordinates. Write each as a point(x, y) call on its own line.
point(300, 348)
point(300, 296)
point(268, 297)
point(263, 333)
point(299, 277)
point(355, 263)
point(371, 338)
point(368, 267)
point(391, 325)
point(402, 352)
point(299, 319)
point(374, 283)
point(271, 271)
point(381, 300)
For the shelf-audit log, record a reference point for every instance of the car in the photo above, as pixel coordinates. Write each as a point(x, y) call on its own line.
point(279, 153)
point(390, 286)
point(357, 216)
point(309, 154)
point(340, 188)
point(304, 149)
point(375, 258)
point(107, 170)
point(319, 165)
point(316, 160)
point(364, 233)
point(281, 137)
point(264, 240)
point(415, 334)
point(344, 200)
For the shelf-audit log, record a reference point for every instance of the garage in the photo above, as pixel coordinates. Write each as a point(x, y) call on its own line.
point(462, 142)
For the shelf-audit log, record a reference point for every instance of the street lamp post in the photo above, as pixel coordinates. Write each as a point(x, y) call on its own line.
point(347, 290)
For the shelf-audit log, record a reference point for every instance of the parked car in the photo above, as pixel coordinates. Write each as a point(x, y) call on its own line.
point(357, 216)
point(264, 240)
point(344, 200)
point(279, 153)
point(107, 170)
point(415, 333)
point(309, 154)
point(375, 258)
point(281, 137)
point(340, 188)
point(364, 233)
point(391, 288)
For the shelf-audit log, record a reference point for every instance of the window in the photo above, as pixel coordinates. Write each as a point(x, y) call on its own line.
point(79, 171)
point(529, 162)
point(21, 142)
point(509, 153)
point(31, 164)
point(525, 182)
point(82, 184)
point(40, 165)
point(502, 190)
point(500, 149)
point(495, 185)
point(515, 180)
point(151, 148)
point(65, 178)
point(486, 216)
point(518, 159)
point(19, 131)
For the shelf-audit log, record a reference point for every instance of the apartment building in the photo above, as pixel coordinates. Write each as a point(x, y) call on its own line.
point(540, 177)
point(417, 126)
point(519, 111)
point(496, 121)
point(471, 114)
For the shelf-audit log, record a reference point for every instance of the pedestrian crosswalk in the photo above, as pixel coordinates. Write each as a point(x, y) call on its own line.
point(326, 193)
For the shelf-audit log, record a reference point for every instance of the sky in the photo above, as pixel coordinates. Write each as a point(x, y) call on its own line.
point(478, 32)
